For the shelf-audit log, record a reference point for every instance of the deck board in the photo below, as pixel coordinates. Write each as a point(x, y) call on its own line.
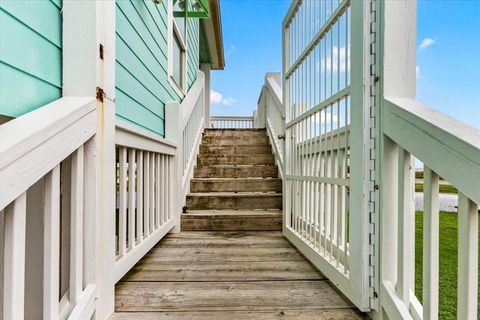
point(227, 275)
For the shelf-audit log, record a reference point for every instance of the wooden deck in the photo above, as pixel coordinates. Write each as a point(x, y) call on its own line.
point(228, 275)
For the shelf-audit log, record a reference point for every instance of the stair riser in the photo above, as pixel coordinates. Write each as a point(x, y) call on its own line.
point(238, 172)
point(235, 133)
point(260, 185)
point(214, 150)
point(232, 202)
point(235, 141)
point(260, 159)
point(236, 223)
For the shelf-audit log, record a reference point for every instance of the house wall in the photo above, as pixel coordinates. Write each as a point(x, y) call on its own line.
point(142, 63)
point(30, 55)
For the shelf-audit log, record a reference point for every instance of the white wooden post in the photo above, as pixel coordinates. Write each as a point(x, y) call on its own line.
point(360, 149)
point(395, 50)
point(206, 67)
point(83, 72)
point(173, 132)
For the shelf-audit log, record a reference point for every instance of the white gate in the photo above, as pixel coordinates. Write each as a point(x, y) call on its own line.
point(325, 203)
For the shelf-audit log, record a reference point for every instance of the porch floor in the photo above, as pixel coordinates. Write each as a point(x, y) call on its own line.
point(228, 275)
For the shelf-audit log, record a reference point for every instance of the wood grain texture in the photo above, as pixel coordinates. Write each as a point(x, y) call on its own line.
point(227, 275)
point(229, 171)
point(299, 314)
point(225, 220)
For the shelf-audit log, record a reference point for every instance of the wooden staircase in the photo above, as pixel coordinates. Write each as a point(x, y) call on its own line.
point(236, 185)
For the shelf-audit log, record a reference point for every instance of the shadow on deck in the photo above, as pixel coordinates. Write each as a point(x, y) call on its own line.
point(228, 275)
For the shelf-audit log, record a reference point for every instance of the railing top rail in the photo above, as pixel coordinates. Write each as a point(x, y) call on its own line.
point(38, 141)
point(446, 145)
point(231, 117)
point(188, 104)
point(275, 92)
point(129, 136)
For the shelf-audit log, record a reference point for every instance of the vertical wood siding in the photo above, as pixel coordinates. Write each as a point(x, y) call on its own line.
point(142, 63)
point(30, 55)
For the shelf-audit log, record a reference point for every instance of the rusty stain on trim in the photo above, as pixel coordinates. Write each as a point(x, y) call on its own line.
point(100, 94)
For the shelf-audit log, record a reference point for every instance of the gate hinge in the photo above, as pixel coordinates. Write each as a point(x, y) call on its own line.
point(100, 94)
point(101, 51)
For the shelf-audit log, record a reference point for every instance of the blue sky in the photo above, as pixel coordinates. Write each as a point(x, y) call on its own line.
point(448, 55)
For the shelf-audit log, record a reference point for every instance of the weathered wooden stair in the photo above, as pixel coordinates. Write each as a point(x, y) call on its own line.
point(230, 261)
point(235, 185)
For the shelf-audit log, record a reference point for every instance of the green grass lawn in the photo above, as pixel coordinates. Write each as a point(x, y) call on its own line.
point(443, 188)
point(448, 263)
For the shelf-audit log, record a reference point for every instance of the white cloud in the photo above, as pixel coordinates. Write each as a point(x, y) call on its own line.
point(229, 102)
point(417, 72)
point(427, 42)
point(217, 98)
point(328, 62)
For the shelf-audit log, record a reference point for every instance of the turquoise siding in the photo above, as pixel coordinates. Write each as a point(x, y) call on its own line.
point(30, 55)
point(193, 45)
point(142, 86)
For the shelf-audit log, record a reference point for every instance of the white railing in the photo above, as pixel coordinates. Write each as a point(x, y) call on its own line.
point(447, 148)
point(184, 125)
point(271, 115)
point(145, 180)
point(231, 122)
point(48, 211)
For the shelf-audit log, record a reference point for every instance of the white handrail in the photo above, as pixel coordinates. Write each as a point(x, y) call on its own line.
point(271, 115)
point(184, 125)
point(47, 177)
point(30, 143)
point(448, 149)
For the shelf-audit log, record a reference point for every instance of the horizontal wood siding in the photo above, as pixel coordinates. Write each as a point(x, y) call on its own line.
point(142, 63)
point(193, 47)
point(30, 55)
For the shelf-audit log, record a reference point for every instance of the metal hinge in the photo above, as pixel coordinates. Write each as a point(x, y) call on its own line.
point(100, 94)
point(101, 51)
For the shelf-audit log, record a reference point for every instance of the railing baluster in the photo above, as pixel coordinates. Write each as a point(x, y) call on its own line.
point(467, 303)
point(151, 187)
point(158, 191)
point(122, 195)
point(14, 258)
point(139, 209)
point(76, 233)
point(131, 198)
point(430, 244)
point(405, 226)
point(51, 260)
point(146, 198)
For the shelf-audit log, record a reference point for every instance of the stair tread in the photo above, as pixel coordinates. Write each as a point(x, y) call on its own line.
point(234, 194)
point(230, 213)
point(237, 179)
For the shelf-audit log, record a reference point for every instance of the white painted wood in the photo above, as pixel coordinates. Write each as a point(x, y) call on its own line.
point(14, 259)
point(122, 195)
point(129, 136)
point(430, 244)
point(131, 198)
point(90, 223)
point(452, 146)
point(37, 152)
point(140, 196)
point(77, 223)
point(85, 306)
point(231, 122)
point(467, 299)
point(392, 304)
point(146, 197)
point(51, 262)
point(406, 216)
